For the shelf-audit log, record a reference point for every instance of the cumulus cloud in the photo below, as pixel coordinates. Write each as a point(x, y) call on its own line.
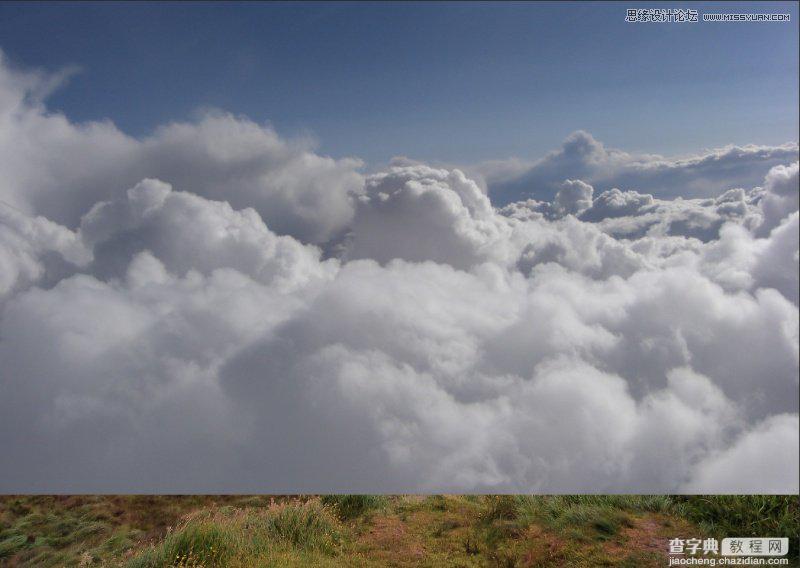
point(573, 197)
point(779, 197)
point(631, 214)
point(582, 156)
point(754, 464)
point(214, 309)
point(35, 250)
point(59, 169)
point(419, 213)
point(187, 232)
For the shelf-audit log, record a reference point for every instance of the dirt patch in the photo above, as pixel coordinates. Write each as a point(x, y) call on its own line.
point(648, 535)
point(389, 539)
point(543, 547)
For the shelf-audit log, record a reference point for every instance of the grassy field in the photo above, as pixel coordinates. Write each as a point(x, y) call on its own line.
point(372, 531)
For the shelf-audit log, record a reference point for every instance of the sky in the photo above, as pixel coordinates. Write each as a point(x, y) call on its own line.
point(447, 82)
point(577, 274)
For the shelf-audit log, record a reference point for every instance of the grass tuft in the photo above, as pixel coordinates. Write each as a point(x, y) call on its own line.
point(352, 506)
point(744, 515)
point(10, 545)
point(244, 536)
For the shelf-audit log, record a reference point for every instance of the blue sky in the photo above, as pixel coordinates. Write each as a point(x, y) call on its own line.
point(456, 82)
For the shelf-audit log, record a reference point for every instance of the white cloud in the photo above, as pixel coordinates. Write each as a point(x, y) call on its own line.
point(421, 213)
point(214, 309)
point(755, 463)
point(187, 232)
point(59, 169)
point(582, 156)
point(573, 197)
point(780, 196)
point(34, 250)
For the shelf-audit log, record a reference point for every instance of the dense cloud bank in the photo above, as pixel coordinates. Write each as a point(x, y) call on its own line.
point(581, 156)
point(213, 308)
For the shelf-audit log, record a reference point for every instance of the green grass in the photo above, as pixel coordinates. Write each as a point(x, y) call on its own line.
point(744, 515)
point(602, 514)
point(351, 506)
point(12, 544)
point(246, 536)
point(61, 530)
point(203, 543)
point(372, 531)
